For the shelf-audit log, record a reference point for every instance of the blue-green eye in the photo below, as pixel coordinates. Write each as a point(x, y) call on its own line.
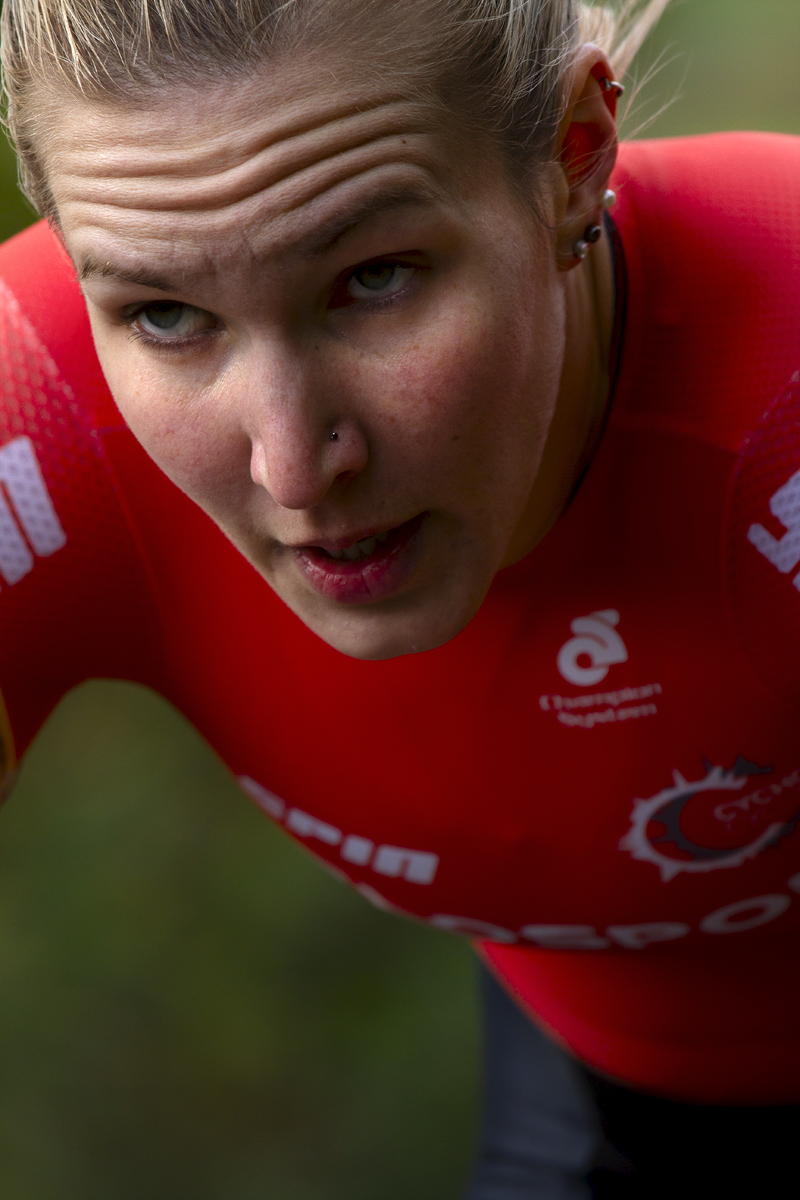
point(375, 281)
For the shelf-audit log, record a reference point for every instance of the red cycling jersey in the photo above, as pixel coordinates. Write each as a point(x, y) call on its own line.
point(599, 778)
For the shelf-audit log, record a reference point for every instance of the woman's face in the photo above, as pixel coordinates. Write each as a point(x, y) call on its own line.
point(330, 321)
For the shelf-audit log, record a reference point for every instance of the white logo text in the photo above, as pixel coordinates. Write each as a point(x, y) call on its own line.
point(25, 509)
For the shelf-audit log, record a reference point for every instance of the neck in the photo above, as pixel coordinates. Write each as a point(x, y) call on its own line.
point(582, 397)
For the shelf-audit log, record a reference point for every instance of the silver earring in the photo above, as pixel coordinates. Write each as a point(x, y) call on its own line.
point(609, 85)
point(609, 198)
point(591, 234)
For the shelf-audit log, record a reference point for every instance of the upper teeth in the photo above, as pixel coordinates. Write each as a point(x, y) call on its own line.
point(361, 549)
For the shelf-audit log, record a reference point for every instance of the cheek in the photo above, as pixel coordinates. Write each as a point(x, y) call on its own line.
point(474, 390)
point(189, 439)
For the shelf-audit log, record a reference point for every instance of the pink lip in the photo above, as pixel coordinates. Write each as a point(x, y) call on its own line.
point(368, 580)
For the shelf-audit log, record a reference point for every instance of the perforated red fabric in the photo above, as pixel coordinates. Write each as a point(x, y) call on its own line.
point(713, 257)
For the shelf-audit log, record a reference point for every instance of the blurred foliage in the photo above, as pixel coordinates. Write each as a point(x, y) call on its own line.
point(719, 64)
point(189, 1008)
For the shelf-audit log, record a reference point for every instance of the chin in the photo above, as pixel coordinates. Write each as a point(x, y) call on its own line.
point(377, 635)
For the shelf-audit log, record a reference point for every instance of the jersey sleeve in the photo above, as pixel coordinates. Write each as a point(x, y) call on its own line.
point(75, 600)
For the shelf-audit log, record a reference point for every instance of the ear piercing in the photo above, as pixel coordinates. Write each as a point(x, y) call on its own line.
point(591, 234)
point(334, 436)
point(611, 85)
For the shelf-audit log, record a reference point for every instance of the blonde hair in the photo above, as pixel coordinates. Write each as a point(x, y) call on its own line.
point(500, 63)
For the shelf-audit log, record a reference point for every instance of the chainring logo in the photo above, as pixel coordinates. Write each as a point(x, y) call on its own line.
point(695, 827)
point(596, 641)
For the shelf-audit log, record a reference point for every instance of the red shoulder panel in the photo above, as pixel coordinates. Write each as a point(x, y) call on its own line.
point(709, 225)
point(39, 272)
point(74, 598)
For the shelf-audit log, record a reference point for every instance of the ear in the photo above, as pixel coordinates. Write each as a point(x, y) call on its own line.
point(587, 150)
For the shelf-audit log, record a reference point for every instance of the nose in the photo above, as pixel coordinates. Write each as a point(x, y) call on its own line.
point(303, 442)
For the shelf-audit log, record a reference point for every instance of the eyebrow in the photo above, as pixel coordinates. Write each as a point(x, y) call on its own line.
point(324, 238)
point(94, 269)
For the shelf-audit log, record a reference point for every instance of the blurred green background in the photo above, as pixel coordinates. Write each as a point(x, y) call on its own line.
point(189, 1008)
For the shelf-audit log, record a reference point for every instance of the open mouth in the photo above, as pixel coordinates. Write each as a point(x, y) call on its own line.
point(363, 549)
point(369, 569)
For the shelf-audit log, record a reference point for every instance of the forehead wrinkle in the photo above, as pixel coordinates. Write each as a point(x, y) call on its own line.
point(148, 186)
point(332, 231)
point(321, 201)
point(286, 239)
point(311, 245)
point(145, 135)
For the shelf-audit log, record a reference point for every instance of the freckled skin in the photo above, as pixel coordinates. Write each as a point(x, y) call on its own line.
point(442, 394)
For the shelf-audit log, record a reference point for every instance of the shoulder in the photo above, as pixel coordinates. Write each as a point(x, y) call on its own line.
point(43, 311)
point(722, 198)
point(710, 228)
point(718, 174)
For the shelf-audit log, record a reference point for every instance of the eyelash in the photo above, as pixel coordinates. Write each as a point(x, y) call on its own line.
point(376, 305)
point(165, 345)
point(173, 345)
